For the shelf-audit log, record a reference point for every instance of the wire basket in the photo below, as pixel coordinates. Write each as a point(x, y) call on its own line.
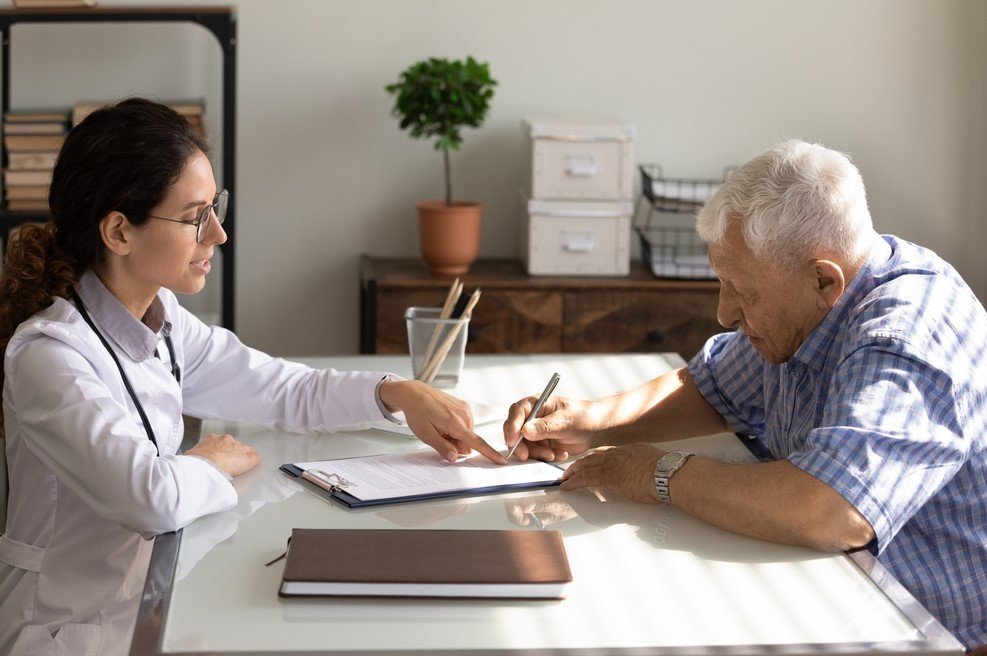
point(675, 194)
point(673, 252)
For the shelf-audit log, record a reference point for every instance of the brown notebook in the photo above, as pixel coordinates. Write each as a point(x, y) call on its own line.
point(426, 563)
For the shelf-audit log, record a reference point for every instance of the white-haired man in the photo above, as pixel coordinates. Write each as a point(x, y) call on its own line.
point(857, 361)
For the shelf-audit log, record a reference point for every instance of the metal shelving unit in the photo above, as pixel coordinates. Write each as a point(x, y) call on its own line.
point(219, 21)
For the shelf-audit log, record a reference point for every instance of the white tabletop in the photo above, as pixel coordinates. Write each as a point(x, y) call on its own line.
point(646, 579)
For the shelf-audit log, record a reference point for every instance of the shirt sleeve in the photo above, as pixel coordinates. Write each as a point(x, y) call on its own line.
point(396, 419)
point(224, 379)
point(890, 436)
point(730, 375)
point(213, 465)
point(69, 419)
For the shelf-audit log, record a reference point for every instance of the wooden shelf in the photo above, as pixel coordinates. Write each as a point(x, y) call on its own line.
point(519, 313)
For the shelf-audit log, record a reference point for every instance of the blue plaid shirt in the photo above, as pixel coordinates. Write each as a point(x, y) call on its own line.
point(886, 402)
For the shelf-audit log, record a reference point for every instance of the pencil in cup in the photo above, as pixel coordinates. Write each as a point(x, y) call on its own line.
point(452, 297)
point(457, 335)
point(423, 323)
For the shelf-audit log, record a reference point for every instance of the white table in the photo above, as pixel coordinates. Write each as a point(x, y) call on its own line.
point(646, 579)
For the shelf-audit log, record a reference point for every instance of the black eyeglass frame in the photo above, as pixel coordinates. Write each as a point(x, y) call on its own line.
point(220, 203)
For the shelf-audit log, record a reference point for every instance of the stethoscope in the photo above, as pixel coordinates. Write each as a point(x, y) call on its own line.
point(176, 371)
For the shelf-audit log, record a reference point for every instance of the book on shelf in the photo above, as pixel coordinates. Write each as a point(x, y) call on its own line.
point(33, 192)
point(33, 128)
point(38, 160)
point(36, 117)
point(509, 564)
point(33, 142)
point(34, 4)
point(19, 178)
point(191, 110)
point(27, 205)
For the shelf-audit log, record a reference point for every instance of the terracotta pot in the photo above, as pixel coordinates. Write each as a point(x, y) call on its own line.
point(450, 235)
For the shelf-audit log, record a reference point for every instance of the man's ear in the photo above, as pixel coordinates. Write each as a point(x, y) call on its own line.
point(116, 231)
point(829, 283)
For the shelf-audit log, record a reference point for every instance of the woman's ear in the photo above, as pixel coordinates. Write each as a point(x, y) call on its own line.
point(830, 283)
point(116, 231)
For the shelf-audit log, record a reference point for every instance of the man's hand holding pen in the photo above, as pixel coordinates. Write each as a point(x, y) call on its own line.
point(552, 429)
point(553, 432)
point(533, 411)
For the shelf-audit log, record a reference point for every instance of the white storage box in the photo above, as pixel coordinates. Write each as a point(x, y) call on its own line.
point(581, 160)
point(584, 238)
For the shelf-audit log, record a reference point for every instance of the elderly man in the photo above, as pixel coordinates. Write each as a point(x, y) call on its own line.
point(857, 361)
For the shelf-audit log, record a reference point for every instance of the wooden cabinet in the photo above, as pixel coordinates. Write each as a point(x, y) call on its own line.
point(676, 320)
point(519, 313)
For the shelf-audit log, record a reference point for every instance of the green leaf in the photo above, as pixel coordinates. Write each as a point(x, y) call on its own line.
point(436, 97)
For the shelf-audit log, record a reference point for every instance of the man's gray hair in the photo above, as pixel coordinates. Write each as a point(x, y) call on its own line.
point(795, 200)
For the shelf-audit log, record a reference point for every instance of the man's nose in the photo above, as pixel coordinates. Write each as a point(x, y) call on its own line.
point(728, 311)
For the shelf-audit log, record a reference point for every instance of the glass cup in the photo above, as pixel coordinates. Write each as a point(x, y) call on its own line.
point(437, 346)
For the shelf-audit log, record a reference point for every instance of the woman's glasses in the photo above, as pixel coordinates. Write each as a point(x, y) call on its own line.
point(201, 221)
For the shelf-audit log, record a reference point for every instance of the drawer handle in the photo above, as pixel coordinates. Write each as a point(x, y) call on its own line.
point(578, 241)
point(582, 166)
point(656, 336)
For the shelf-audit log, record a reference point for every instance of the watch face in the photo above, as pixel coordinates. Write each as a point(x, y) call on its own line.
point(671, 460)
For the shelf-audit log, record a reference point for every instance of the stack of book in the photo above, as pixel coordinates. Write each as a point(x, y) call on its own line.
point(192, 110)
point(34, 4)
point(32, 140)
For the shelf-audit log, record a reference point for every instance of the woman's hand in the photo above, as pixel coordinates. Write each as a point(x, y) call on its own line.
point(227, 453)
point(441, 421)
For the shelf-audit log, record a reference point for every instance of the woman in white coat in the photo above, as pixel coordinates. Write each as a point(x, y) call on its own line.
point(100, 362)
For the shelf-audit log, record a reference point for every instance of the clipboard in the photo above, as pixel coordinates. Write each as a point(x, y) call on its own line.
point(340, 489)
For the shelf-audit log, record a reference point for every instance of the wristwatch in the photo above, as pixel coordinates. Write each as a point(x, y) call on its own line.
point(665, 468)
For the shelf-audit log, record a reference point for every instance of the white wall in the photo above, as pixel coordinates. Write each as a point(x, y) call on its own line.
point(324, 174)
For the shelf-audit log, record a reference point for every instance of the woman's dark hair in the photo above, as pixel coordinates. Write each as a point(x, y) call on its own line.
point(122, 158)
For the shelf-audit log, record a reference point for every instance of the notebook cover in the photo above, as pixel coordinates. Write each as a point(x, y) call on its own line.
point(416, 556)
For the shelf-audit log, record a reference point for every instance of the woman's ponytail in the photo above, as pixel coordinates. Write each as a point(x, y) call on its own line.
point(35, 272)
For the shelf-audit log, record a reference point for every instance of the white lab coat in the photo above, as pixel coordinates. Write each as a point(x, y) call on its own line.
point(88, 490)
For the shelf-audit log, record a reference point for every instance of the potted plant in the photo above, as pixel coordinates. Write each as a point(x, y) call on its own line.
point(436, 98)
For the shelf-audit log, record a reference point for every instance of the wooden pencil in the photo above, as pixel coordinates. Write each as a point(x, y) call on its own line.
point(451, 297)
point(428, 374)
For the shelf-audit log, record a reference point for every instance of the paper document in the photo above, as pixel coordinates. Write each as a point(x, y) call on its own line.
point(423, 474)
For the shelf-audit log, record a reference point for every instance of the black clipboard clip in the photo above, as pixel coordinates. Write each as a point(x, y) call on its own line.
point(330, 482)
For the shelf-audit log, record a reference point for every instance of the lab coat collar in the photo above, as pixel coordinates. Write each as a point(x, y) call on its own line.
point(138, 338)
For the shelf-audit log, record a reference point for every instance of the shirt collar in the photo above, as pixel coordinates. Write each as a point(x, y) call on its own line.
point(137, 337)
point(815, 349)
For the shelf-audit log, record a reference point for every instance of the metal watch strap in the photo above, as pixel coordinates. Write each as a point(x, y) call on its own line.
point(665, 468)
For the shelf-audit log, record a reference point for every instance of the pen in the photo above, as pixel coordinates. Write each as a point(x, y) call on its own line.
point(547, 392)
point(533, 519)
